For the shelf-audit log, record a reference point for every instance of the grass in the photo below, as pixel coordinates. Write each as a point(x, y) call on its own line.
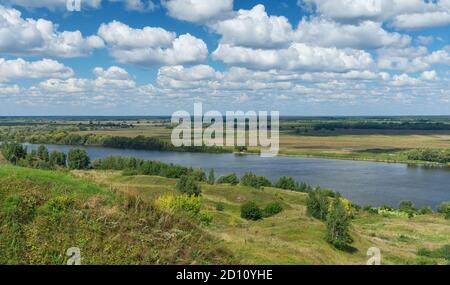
point(43, 213)
point(292, 237)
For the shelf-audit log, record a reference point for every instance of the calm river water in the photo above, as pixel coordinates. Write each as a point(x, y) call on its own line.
point(362, 182)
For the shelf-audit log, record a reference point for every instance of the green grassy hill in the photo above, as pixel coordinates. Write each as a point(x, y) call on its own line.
point(44, 213)
point(292, 237)
point(113, 219)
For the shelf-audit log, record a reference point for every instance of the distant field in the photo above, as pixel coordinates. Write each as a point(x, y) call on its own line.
point(149, 131)
point(340, 138)
point(346, 144)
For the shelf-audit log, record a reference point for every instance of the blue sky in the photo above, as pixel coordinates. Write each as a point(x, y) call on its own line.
point(305, 57)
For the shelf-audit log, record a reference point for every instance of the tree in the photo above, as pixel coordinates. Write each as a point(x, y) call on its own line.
point(199, 175)
point(251, 180)
point(57, 158)
point(13, 152)
point(286, 182)
point(338, 224)
point(42, 153)
point(317, 204)
point(211, 177)
point(251, 211)
point(228, 179)
point(78, 159)
point(187, 185)
point(272, 209)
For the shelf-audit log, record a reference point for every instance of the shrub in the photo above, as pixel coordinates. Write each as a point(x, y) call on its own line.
point(42, 153)
point(286, 182)
point(251, 180)
point(251, 211)
point(57, 159)
point(228, 179)
point(198, 174)
point(272, 209)
point(426, 210)
point(407, 207)
point(220, 207)
point(188, 204)
point(211, 177)
point(13, 152)
point(444, 208)
point(317, 204)
point(78, 159)
point(338, 224)
point(187, 185)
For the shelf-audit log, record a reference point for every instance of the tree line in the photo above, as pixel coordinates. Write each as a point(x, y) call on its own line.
point(431, 155)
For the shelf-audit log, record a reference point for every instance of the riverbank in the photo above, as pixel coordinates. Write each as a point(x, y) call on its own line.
point(362, 182)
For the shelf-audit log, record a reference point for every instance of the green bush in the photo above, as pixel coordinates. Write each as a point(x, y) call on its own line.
point(407, 207)
point(272, 209)
point(42, 153)
point(286, 182)
point(251, 211)
point(426, 210)
point(317, 204)
point(251, 180)
point(220, 207)
point(78, 159)
point(57, 159)
point(211, 177)
point(338, 224)
point(228, 179)
point(187, 185)
point(444, 208)
point(13, 152)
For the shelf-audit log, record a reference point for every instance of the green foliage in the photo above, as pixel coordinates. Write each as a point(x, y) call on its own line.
point(251, 211)
point(42, 153)
point(13, 152)
point(187, 185)
point(287, 183)
point(43, 213)
point(426, 210)
point(251, 180)
point(228, 179)
point(317, 204)
point(443, 252)
point(198, 174)
point(57, 159)
point(444, 209)
point(78, 159)
point(184, 204)
point(407, 207)
point(272, 209)
point(338, 224)
point(146, 167)
point(211, 177)
point(220, 207)
point(431, 155)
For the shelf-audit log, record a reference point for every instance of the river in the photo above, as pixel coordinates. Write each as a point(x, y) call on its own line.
point(362, 182)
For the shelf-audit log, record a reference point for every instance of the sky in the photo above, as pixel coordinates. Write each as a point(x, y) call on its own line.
point(298, 57)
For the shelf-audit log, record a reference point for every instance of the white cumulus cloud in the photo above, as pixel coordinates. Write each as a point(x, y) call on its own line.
point(151, 46)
